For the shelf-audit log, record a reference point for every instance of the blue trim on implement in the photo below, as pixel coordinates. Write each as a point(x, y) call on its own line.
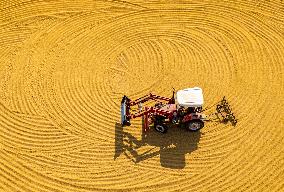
point(124, 110)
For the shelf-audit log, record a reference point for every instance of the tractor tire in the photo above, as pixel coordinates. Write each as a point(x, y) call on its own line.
point(160, 127)
point(195, 125)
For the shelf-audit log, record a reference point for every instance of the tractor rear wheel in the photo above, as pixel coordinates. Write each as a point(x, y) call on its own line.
point(195, 125)
point(160, 127)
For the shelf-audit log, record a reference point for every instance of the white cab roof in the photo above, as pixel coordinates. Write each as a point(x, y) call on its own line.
point(190, 97)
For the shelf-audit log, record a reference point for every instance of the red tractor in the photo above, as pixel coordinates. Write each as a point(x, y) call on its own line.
point(184, 109)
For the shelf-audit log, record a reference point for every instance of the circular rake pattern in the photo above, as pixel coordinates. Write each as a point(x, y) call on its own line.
point(65, 76)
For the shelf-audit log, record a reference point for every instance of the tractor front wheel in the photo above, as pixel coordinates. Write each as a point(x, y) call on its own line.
point(160, 127)
point(195, 125)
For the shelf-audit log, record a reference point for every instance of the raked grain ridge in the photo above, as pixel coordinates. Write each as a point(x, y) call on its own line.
point(64, 66)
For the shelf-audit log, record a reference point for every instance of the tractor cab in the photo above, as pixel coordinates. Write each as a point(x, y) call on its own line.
point(190, 99)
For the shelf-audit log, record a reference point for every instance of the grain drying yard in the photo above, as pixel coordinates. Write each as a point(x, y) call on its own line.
point(64, 66)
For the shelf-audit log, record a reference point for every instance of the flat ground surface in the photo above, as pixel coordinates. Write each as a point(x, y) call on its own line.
point(64, 66)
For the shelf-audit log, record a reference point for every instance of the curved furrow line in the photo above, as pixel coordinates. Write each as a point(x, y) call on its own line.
point(12, 132)
point(35, 121)
point(25, 131)
point(21, 95)
point(238, 162)
point(23, 101)
point(24, 174)
point(21, 11)
point(239, 158)
point(27, 145)
point(26, 126)
point(32, 137)
point(261, 175)
point(84, 116)
point(21, 177)
point(244, 171)
point(61, 165)
point(79, 182)
point(140, 57)
point(29, 119)
point(87, 112)
point(11, 179)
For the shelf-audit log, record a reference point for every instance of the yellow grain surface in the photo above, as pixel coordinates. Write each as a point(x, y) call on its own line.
point(64, 66)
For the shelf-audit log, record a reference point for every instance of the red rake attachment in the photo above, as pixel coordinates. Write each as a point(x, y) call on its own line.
point(224, 112)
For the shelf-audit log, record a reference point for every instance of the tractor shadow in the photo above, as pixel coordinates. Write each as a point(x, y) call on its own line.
point(172, 147)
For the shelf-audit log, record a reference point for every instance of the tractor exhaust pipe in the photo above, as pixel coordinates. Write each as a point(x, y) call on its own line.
point(172, 100)
point(124, 110)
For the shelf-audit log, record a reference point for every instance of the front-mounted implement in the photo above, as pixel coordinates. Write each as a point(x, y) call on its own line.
point(126, 104)
point(125, 111)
